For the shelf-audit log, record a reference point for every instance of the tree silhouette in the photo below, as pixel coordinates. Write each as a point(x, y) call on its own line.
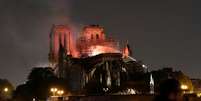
point(37, 86)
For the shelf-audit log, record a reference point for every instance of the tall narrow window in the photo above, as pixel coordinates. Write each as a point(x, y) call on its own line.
point(92, 37)
point(97, 36)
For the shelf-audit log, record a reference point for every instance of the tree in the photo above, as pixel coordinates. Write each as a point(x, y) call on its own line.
point(37, 86)
point(165, 73)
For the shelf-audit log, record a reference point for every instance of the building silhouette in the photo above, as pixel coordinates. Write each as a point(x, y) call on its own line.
point(91, 63)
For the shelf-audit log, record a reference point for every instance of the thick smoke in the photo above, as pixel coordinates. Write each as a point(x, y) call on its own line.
point(25, 27)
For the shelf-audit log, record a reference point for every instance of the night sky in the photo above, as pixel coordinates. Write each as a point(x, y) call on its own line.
point(161, 32)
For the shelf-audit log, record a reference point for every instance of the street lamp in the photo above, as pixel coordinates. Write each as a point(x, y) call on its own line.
point(5, 89)
point(53, 90)
point(60, 92)
point(184, 87)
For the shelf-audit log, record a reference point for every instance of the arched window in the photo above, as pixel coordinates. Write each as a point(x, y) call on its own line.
point(97, 36)
point(92, 37)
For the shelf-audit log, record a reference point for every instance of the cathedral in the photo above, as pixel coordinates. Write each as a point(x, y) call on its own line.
point(92, 63)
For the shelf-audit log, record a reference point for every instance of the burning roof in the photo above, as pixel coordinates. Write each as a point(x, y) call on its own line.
point(91, 41)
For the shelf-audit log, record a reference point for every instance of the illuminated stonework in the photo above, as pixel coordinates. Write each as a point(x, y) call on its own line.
point(91, 42)
point(90, 62)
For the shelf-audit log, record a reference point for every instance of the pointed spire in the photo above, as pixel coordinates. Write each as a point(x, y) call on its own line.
point(129, 49)
point(61, 58)
point(126, 42)
point(60, 42)
point(151, 80)
point(51, 56)
point(65, 46)
point(61, 47)
point(151, 83)
point(69, 47)
point(126, 50)
point(51, 39)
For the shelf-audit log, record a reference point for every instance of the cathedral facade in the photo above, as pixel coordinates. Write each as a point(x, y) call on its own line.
point(91, 63)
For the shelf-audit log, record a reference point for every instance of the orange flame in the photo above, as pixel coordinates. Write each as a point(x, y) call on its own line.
point(97, 49)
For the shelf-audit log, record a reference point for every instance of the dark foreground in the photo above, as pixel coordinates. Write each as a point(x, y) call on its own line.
point(117, 98)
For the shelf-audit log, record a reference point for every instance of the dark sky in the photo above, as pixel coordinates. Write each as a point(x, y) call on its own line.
point(160, 32)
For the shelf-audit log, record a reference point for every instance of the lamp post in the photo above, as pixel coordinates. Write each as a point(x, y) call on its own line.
point(60, 92)
point(5, 89)
point(56, 93)
point(6, 93)
point(184, 87)
point(60, 95)
point(53, 90)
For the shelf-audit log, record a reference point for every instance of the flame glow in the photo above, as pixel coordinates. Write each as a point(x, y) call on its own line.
point(97, 49)
point(92, 41)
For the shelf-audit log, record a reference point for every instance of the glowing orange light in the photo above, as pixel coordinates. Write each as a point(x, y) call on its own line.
point(91, 42)
point(184, 87)
point(60, 92)
point(6, 89)
point(95, 50)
